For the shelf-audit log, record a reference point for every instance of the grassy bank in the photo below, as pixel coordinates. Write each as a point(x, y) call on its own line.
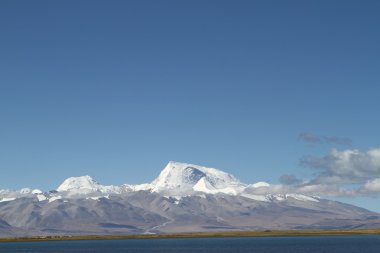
point(202, 234)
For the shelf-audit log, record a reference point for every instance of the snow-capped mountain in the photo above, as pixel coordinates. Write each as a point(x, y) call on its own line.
point(79, 183)
point(184, 197)
point(182, 178)
point(85, 185)
point(175, 180)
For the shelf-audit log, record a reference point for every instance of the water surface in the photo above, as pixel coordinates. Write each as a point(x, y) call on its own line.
point(321, 244)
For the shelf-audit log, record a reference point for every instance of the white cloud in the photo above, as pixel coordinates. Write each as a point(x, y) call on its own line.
point(371, 186)
point(347, 166)
point(348, 172)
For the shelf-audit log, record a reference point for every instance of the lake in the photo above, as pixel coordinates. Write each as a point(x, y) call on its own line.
point(321, 244)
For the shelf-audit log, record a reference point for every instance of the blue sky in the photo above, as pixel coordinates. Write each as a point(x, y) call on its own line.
point(116, 89)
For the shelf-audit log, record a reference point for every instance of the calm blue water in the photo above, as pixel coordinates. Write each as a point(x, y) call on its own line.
point(335, 244)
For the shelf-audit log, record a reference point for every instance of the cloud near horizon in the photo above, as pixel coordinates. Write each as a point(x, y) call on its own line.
point(348, 172)
point(345, 167)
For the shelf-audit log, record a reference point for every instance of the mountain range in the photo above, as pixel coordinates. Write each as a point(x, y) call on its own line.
point(183, 198)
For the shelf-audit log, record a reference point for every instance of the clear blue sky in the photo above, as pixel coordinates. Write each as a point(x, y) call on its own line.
point(116, 89)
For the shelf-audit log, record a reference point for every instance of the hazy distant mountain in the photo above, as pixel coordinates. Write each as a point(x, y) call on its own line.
point(182, 198)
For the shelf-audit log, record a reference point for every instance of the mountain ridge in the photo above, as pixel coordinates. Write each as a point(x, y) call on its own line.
point(183, 198)
point(176, 179)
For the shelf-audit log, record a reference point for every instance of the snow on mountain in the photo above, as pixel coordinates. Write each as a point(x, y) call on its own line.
point(136, 187)
point(182, 178)
point(85, 184)
point(25, 191)
point(6, 199)
point(79, 183)
point(9, 195)
point(41, 197)
point(37, 191)
point(259, 184)
point(175, 180)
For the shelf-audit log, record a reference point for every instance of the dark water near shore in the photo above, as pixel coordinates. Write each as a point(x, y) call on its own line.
point(323, 244)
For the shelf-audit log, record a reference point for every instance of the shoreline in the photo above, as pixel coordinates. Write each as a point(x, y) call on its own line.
point(250, 233)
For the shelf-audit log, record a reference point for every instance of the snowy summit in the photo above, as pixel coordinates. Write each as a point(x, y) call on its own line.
point(185, 178)
point(175, 180)
point(79, 183)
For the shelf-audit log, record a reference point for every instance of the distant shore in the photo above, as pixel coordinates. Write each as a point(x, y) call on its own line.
point(266, 233)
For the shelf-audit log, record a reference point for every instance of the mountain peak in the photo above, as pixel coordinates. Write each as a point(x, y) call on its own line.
point(79, 183)
point(176, 175)
point(184, 177)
